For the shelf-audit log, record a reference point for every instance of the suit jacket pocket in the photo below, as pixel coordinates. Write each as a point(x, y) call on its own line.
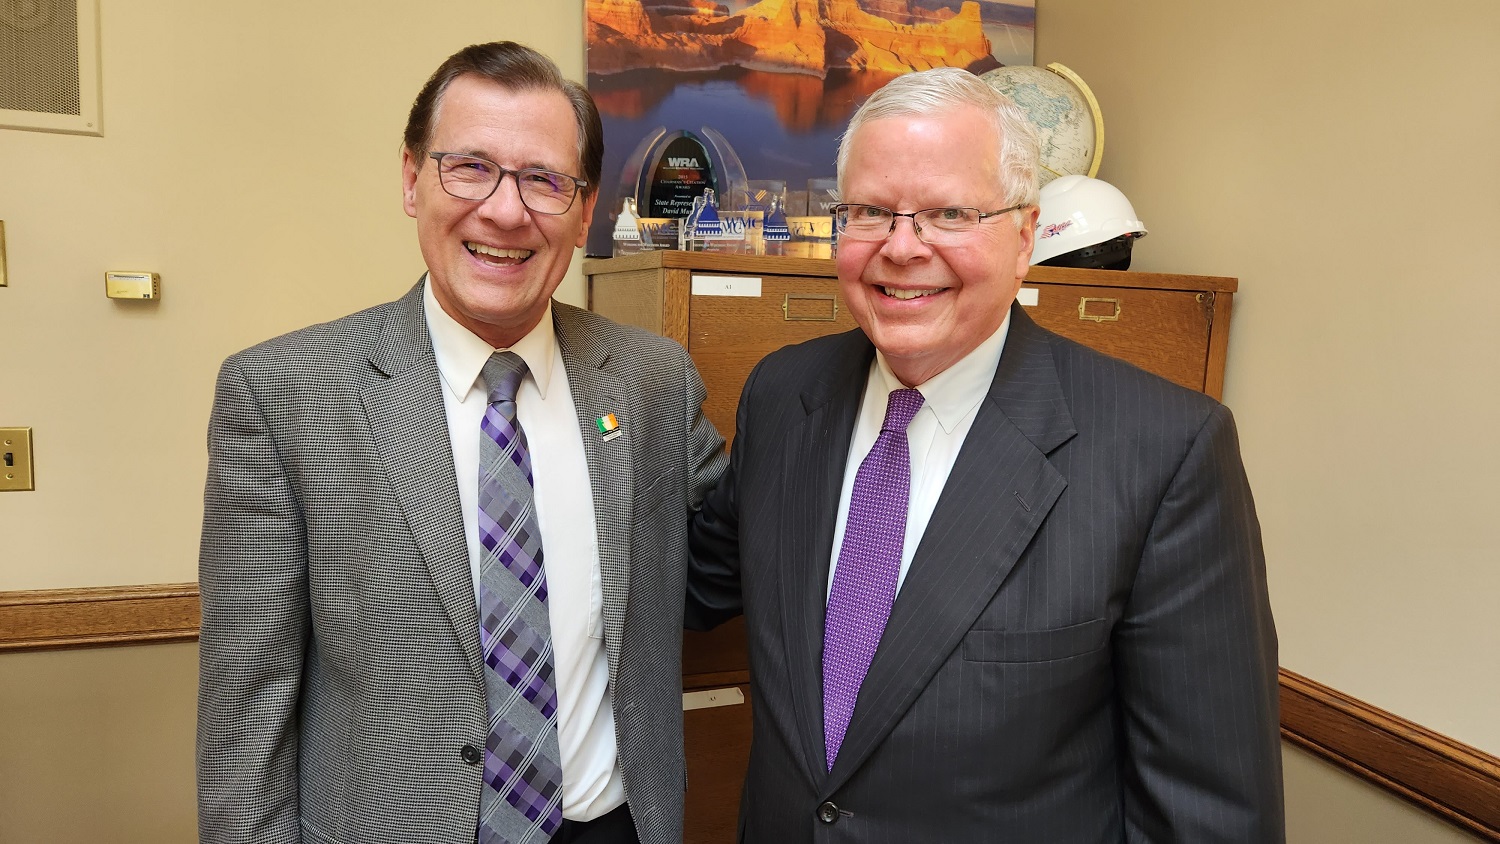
point(1035, 645)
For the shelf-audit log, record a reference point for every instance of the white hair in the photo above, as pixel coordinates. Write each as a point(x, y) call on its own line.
point(942, 90)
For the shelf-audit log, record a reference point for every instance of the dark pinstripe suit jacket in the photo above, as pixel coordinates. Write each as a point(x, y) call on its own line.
point(1082, 650)
point(340, 658)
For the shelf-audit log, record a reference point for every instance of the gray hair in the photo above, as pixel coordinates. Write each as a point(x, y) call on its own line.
point(941, 90)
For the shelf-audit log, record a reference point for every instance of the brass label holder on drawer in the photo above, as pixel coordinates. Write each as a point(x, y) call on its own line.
point(786, 307)
point(1083, 306)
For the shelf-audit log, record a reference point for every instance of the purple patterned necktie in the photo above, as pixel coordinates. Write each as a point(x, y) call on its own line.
point(521, 799)
point(864, 584)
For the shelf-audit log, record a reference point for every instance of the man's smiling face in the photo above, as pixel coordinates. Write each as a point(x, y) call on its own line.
point(925, 306)
point(493, 265)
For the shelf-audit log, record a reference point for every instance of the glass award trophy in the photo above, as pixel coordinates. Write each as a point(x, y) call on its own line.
point(811, 234)
point(710, 228)
point(775, 233)
point(627, 233)
point(661, 180)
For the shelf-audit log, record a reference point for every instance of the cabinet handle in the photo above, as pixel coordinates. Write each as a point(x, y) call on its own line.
point(1083, 305)
point(833, 307)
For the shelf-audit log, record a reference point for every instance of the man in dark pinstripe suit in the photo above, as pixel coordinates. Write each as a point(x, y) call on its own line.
point(1033, 607)
point(343, 696)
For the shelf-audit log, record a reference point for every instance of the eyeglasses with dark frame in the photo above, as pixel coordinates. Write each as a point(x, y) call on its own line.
point(476, 179)
point(934, 226)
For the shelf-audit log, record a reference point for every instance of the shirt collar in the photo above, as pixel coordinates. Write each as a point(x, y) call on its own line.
point(461, 355)
point(957, 390)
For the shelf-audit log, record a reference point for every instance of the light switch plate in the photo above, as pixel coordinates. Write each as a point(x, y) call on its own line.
point(15, 460)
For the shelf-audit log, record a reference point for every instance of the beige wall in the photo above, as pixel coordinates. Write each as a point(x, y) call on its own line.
point(250, 156)
point(1339, 159)
point(97, 745)
point(1326, 806)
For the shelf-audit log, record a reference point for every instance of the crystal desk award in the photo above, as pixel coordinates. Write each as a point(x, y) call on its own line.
point(664, 176)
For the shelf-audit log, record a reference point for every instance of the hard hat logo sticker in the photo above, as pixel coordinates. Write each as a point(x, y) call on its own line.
point(1055, 229)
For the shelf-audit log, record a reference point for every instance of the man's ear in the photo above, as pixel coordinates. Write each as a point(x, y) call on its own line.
point(588, 217)
point(410, 169)
point(1027, 237)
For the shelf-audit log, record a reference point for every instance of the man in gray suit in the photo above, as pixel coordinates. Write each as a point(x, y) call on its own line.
point(997, 586)
point(444, 539)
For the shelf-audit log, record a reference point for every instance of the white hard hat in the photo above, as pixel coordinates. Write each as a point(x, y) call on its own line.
point(1077, 213)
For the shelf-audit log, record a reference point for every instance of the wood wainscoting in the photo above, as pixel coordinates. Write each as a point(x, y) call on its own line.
point(1458, 783)
point(1455, 782)
point(110, 615)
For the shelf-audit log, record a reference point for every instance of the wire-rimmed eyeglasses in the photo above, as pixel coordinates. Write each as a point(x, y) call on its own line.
point(473, 178)
point(933, 225)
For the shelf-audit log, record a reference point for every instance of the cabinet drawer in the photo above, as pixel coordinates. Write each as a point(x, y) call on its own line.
point(728, 335)
point(1161, 331)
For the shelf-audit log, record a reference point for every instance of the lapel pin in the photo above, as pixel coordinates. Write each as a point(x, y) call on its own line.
point(609, 426)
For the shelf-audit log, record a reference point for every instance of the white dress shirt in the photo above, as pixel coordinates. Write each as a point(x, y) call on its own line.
point(592, 782)
point(950, 401)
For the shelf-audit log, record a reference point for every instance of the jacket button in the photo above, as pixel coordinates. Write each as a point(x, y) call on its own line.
point(470, 754)
point(828, 813)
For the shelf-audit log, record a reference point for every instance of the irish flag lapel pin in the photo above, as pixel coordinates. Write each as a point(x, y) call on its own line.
point(609, 426)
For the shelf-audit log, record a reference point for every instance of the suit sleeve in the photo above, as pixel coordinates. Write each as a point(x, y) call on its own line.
point(252, 576)
point(1196, 662)
point(713, 581)
point(706, 457)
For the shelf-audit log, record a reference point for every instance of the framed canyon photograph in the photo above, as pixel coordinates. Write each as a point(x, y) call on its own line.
point(776, 79)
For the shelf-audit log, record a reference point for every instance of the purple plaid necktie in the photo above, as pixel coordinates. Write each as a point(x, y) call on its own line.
point(521, 799)
point(864, 584)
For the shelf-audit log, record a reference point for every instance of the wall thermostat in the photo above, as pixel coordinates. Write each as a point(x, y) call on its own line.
point(128, 285)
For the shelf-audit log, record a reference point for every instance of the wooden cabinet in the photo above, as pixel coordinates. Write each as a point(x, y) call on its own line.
point(1176, 326)
point(726, 335)
point(717, 738)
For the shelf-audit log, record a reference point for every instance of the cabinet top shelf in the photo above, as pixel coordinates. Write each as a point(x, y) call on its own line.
point(824, 268)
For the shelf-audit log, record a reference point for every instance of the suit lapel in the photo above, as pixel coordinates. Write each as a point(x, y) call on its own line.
point(598, 392)
point(409, 426)
point(816, 452)
point(995, 499)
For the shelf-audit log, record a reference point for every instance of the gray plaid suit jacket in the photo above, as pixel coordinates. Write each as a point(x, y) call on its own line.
point(340, 665)
point(1082, 651)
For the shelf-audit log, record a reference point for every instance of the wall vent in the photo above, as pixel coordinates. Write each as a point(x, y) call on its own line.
point(49, 66)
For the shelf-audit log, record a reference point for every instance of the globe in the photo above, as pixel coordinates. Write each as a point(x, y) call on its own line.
point(1067, 117)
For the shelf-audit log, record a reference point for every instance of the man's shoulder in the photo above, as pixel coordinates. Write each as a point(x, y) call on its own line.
point(343, 338)
point(582, 319)
point(610, 337)
point(830, 352)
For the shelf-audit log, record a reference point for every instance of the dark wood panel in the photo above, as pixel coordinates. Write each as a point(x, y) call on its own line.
point(720, 649)
point(718, 751)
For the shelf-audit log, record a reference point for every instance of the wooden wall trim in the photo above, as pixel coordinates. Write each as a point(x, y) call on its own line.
point(1458, 783)
point(1455, 782)
point(111, 615)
